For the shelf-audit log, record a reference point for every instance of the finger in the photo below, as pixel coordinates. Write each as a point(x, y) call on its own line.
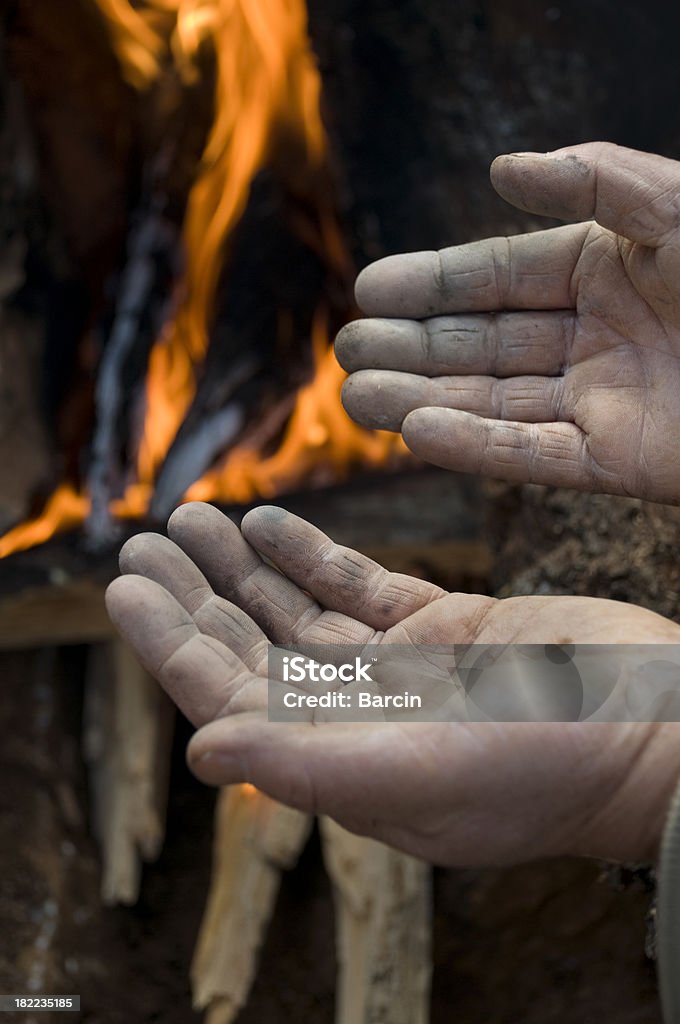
point(338, 577)
point(381, 399)
point(157, 558)
point(215, 544)
point(460, 619)
point(554, 454)
point(320, 768)
point(283, 610)
point(502, 345)
point(635, 194)
point(200, 674)
point(531, 271)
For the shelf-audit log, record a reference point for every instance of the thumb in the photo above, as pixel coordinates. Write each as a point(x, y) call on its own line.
point(634, 194)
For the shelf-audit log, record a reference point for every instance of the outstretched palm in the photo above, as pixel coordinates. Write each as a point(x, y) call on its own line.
point(201, 611)
point(552, 357)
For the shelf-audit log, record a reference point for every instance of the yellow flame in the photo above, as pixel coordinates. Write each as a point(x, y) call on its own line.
point(267, 87)
point(318, 433)
point(266, 75)
point(137, 44)
point(64, 509)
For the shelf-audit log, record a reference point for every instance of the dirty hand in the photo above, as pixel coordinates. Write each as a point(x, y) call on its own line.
point(551, 357)
point(199, 610)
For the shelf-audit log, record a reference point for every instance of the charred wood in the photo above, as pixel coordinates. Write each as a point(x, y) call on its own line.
point(260, 348)
point(424, 522)
point(143, 300)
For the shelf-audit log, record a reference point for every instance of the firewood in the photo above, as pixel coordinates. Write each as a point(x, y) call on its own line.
point(421, 521)
point(255, 840)
point(237, 392)
point(383, 913)
point(141, 308)
point(127, 739)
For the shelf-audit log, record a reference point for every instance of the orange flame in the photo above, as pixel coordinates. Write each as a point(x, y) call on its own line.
point(266, 75)
point(267, 84)
point(319, 432)
point(64, 509)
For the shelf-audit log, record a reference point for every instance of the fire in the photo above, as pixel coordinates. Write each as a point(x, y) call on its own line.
point(318, 427)
point(64, 509)
point(266, 84)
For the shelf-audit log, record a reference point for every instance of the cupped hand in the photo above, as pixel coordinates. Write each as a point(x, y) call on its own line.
point(201, 608)
point(551, 357)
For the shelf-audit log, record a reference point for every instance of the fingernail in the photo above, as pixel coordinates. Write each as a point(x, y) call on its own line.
point(215, 764)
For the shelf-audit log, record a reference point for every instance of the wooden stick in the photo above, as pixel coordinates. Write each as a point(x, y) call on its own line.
point(54, 614)
point(127, 741)
point(383, 913)
point(255, 840)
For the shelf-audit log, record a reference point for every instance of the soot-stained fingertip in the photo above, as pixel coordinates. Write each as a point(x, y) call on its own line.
point(132, 552)
point(348, 346)
point(262, 519)
point(126, 599)
point(192, 515)
point(429, 428)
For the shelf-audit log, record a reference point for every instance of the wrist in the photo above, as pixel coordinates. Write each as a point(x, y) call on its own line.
point(635, 793)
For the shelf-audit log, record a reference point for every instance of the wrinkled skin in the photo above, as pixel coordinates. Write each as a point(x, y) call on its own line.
point(200, 608)
point(551, 357)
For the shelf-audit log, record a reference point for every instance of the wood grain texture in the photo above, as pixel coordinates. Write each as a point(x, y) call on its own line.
point(383, 929)
point(127, 742)
point(255, 840)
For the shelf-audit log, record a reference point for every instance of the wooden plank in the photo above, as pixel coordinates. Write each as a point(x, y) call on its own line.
point(255, 840)
point(127, 741)
point(69, 613)
point(383, 928)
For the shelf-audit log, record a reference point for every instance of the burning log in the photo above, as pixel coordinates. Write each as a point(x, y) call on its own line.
point(259, 221)
point(54, 594)
point(250, 371)
point(141, 309)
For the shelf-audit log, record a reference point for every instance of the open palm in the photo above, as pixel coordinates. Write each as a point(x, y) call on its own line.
point(201, 609)
point(551, 357)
